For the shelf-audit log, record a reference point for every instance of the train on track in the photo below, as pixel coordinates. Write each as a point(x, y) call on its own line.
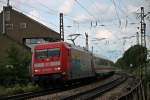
point(58, 62)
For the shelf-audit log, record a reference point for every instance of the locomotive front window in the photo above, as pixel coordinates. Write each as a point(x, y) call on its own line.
point(54, 52)
point(47, 53)
point(41, 53)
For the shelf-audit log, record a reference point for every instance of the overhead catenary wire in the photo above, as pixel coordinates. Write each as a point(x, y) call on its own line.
point(57, 12)
point(117, 14)
point(123, 9)
point(25, 12)
point(46, 7)
point(96, 7)
point(47, 11)
point(88, 12)
point(37, 18)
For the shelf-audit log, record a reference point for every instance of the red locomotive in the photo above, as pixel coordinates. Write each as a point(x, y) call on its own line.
point(60, 61)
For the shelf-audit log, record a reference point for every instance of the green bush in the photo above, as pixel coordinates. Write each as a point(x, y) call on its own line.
point(17, 88)
point(31, 87)
point(11, 90)
point(134, 57)
point(15, 68)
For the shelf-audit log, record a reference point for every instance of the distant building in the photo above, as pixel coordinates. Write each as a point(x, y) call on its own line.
point(23, 29)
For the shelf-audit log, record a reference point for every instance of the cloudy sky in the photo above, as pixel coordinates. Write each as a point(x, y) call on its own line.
point(110, 24)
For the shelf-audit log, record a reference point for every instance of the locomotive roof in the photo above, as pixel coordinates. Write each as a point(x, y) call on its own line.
point(71, 46)
point(46, 44)
point(62, 42)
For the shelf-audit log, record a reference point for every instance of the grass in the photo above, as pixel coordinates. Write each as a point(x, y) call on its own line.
point(16, 89)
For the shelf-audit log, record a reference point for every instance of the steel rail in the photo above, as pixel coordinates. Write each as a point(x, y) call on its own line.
point(34, 94)
point(129, 92)
point(24, 96)
point(93, 93)
point(28, 95)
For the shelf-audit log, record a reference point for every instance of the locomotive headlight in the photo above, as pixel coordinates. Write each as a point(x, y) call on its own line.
point(57, 68)
point(39, 65)
point(36, 70)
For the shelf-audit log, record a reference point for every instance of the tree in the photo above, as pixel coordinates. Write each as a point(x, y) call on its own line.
point(133, 57)
point(120, 63)
point(15, 69)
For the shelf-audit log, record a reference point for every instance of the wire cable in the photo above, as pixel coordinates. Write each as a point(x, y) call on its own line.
point(85, 9)
point(117, 14)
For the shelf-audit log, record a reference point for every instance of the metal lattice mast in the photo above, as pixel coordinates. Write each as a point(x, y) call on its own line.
point(8, 3)
point(143, 43)
point(87, 45)
point(61, 27)
point(143, 27)
point(137, 37)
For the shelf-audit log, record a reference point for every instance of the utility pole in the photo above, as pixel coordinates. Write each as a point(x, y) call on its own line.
point(87, 45)
point(137, 38)
point(8, 3)
point(61, 27)
point(143, 39)
point(143, 27)
point(4, 28)
point(92, 50)
point(143, 44)
point(143, 36)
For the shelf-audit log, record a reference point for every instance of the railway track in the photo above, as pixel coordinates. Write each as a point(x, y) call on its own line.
point(29, 95)
point(91, 94)
point(24, 96)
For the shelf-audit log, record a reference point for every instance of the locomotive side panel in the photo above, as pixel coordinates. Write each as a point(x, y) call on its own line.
point(80, 64)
